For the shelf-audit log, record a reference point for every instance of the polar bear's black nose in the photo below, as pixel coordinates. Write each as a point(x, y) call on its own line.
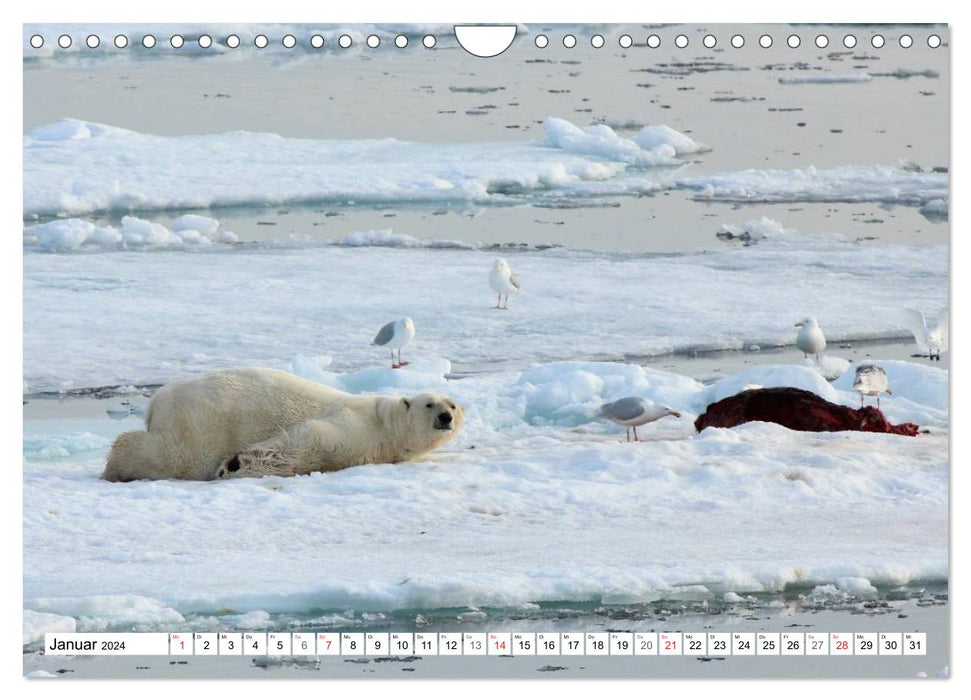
point(444, 418)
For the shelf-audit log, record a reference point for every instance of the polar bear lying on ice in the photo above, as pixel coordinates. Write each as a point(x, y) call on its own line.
point(253, 422)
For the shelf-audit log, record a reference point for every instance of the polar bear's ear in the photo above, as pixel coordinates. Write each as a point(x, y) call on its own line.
point(407, 403)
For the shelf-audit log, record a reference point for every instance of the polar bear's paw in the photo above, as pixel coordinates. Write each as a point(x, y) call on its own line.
point(229, 468)
point(254, 463)
point(245, 464)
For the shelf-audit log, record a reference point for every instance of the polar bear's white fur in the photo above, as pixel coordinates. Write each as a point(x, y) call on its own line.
point(252, 422)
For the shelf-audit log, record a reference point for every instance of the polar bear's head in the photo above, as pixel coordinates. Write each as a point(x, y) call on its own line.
point(433, 412)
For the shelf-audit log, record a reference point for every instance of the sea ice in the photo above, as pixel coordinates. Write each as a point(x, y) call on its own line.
point(654, 149)
point(826, 78)
point(856, 586)
point(935, 210)
point(532, 487)
point(848, 183)
point(74, 167)
point(651, 137)
point(194, 222)
point(387, 238)
point(297, 303)
point(772, 376)
point(36, 625)
point(62, 235)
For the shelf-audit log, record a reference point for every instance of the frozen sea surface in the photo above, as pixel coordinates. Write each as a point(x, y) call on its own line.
point(78, 167)
point(146, 317)
point(533, 506)
point(75, 167)
point(532, 503)
point(843, 184)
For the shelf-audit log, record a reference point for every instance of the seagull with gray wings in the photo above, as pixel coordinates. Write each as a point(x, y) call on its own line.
point(632, 411)
point(396, 335)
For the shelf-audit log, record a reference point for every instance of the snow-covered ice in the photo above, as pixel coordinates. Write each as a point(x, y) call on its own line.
point(652, 146)
point(856, 586)
point(848, 183)
point(920, 397)
point(73, 234)
point(651, 137)
point(36, 625)
point(146, 317)
point(389, 239)
point(130, 279)
point(534, 501)
point(75, 167)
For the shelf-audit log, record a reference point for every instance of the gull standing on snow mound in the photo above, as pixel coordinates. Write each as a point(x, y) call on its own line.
point(810, 339)
point(503, 279)
point(633, 411)
point(933, 341)
point(871, 380)
point(396, 335)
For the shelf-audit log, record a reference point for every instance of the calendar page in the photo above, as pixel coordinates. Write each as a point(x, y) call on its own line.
point(526, 350)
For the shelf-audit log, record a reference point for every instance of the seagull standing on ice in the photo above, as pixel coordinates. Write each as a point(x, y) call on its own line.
point(633, 411)
point(810, 339)
point(503, 279)
point(396, 335)
point(871, 380)
point(933, 341)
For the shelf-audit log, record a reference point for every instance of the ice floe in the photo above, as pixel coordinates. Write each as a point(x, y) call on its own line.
point(533, 502)
point(849, 183)
point(74, 167)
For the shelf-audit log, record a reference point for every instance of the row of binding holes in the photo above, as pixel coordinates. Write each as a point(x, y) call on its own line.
point(542, 41)
point(738, 41)
point(232, 41)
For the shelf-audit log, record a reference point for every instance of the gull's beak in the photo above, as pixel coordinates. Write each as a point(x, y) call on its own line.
point(799, 325)
point(674, 413)
point(889, 392)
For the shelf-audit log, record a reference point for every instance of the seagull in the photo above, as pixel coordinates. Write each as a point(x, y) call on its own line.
point(633, 411)
point(871, 380)
point(810, 339)
point(503, 279)
point(933, 341)
point(396, 335)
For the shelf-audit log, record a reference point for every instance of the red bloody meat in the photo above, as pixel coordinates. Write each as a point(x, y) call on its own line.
point(796, 409)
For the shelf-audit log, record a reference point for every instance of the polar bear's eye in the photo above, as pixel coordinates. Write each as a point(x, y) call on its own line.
point(429, 405)
point(452, 406)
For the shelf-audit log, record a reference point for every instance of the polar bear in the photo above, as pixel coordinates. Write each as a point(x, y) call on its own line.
point(253, 422)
